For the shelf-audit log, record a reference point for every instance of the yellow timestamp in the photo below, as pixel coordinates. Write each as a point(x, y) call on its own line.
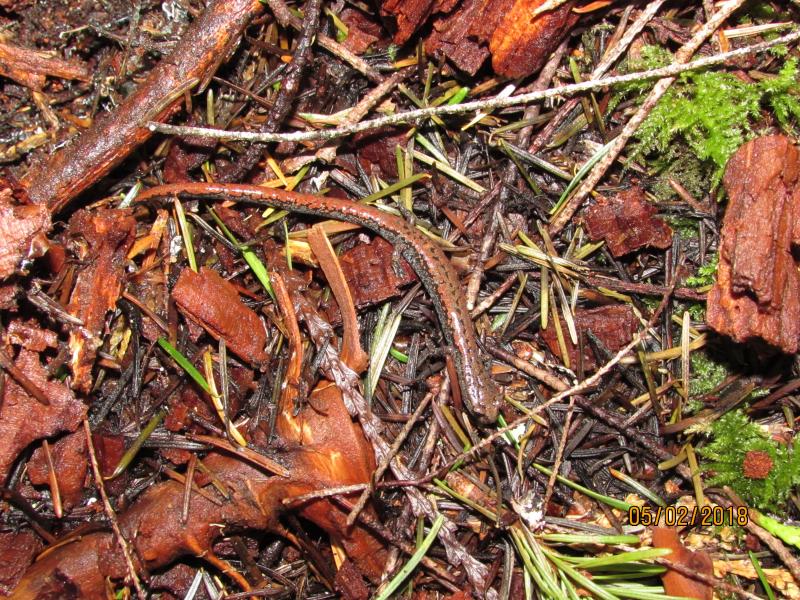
point(685, 516)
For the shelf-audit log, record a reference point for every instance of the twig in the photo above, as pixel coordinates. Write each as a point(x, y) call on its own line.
point(494, 103)
point(290, 84)
point(112, 517)
point(207, 42)
point(286, 18)
point(681, 57)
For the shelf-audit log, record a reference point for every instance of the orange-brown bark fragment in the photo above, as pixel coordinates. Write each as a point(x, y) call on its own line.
point(374, 272)
point(100, 239)
point(626, 222)
point(757, 292)
point(70, 461)
point(362, 31)
point(16, 554)
point(678, 584)
point(521, 45)
point(408, 16)
point(30, 336)
point(463, 36)
point(504, 29)
point(23, 419)
point(22, 233)
point(213, 302)
point(613, 325)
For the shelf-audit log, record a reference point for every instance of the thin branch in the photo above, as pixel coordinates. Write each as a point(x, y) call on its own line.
point(494, 103)
point(112, 517)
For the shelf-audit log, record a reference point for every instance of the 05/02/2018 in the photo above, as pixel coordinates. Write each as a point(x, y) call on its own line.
point(683, 516)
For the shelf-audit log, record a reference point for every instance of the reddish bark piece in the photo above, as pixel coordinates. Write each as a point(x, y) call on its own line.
point(101, 240)
point(463, 35)
point(374, 272)
point(376, 150)
point(504, 29)
point(520, 45)
point(175, 581)
point(22, 233)
point(185, 154)
point(756, 294)
point(362, 31)
point(757, 464)
point(614, 325)
point(23, 419)
point(678, 584)
point(408, 15)
point(16, 554)
point(70, 460)
point(31, 67)
point(109, 450)
point(213, 302)
point(626, 222)
point(30, 336)
point(8, 296)
point(349, 582)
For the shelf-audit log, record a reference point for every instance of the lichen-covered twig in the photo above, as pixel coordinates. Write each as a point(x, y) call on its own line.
point(414, 116)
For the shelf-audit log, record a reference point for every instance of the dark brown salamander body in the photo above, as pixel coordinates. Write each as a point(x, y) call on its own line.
point(427, 259)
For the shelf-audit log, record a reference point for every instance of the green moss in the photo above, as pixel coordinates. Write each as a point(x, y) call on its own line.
point(707, 373)
point(685, 168)
point(713, 113)
point(697, 311)
point(686, 227)
point(733, 436)
point(706, 274)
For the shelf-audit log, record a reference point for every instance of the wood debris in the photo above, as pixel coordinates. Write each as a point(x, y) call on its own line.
point(213, 303)
point(613, 325)
point(23, 419)
point(627, 222)
point(101, 240)
point(757, 291)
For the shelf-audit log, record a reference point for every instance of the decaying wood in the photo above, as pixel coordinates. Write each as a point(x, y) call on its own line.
point(213, 303)
point(470, 31)
point(101, 240)
point(23, 229)
point(23, 419)
point(31, 68)
point(612, 325)
point(757, 292)
point(626, 222)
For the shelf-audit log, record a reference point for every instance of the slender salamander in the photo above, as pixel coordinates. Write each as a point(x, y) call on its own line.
point(425, 257)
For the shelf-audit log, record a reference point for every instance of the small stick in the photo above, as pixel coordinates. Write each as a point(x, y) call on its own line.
point(55, 493)
point(187, 489)
point(112, 517)
point(26, 384)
